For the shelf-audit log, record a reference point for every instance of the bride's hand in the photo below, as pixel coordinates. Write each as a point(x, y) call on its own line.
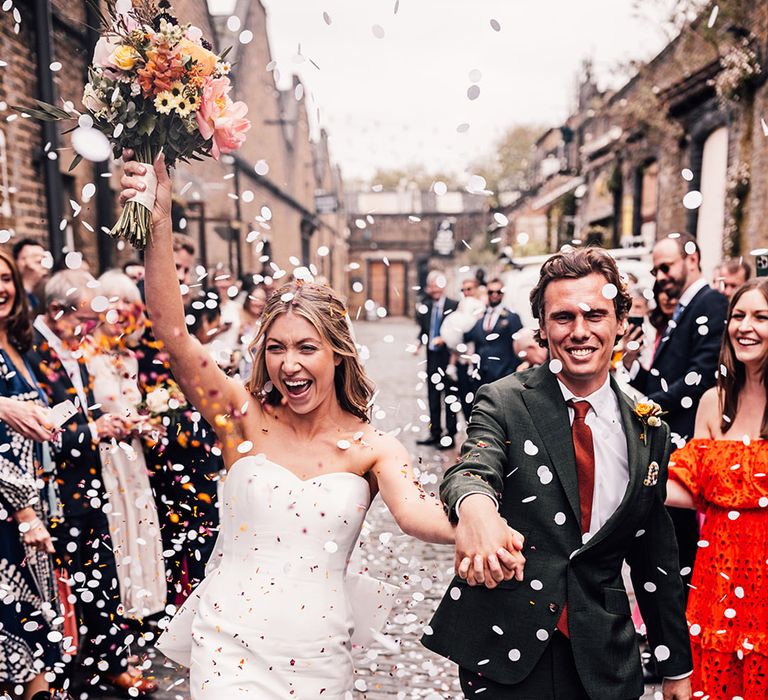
point(132, 182)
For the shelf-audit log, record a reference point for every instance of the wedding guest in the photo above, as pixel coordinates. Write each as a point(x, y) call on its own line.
point(228, 289)
point(29, 254)
point(82, 540)
point(730, 275)
point(685, 361)
point(493, 335)
point(529, 351)
point(30, 644)
point(184, 467)
point(134, 269)
point(720, 473)
point(133, 521)
point(440, 387)
point(254, 301)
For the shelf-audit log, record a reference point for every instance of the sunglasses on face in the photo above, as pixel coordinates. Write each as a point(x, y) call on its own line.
point(494, 291)
point(664, 268)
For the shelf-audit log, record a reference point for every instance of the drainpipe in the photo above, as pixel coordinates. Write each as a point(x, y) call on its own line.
point(105, 204)
point(53, 184)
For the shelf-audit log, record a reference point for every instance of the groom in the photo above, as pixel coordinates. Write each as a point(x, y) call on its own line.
point(563, 456)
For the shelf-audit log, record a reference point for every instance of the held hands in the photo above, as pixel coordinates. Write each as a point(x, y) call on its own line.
point(676, 690)
point(29, 420)
point(110, 426)
point(488, 551)
point(132, 182)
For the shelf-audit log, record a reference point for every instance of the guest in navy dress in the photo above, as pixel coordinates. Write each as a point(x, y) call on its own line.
point(30, 641)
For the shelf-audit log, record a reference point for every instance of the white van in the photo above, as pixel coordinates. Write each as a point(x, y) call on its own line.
point(519, 283)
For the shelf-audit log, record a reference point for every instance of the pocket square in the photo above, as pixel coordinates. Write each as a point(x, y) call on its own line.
point(652, 477)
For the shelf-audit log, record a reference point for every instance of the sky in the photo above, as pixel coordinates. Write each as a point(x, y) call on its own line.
point(391, 80)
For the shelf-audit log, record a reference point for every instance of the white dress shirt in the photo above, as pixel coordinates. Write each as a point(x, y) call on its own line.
point(610, 445)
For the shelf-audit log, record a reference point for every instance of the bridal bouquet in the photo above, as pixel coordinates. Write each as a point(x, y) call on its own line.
point(154, 84)
point(164, 401)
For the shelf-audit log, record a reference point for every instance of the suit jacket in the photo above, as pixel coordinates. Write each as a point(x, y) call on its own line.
point(685, 350)
point(78, 462)
point(473, 624)
point(424, 319)
point(495, 347)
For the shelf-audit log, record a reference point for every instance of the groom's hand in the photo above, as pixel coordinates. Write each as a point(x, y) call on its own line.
point(676, 690)
point(487, 549)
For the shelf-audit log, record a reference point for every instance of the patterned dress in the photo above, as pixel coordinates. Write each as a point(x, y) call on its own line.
point(29, 643)
point(728, 601)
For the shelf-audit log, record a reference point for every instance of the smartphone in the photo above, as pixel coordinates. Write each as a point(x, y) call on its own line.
point(635, 321)
point(62, 412)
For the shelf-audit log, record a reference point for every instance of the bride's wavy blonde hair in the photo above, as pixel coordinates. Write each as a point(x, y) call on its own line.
point(323, 308)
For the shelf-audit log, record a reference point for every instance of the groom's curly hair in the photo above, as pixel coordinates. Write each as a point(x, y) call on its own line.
point(575, 264)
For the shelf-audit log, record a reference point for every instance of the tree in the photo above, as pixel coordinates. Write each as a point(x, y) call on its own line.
point(507, 169)
point(394, 178)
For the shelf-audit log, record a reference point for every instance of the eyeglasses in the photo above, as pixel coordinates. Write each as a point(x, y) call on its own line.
point(495, 291)
point(467, 289)
point(663, 268)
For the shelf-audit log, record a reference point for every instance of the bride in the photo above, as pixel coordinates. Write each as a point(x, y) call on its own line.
point(273, 619)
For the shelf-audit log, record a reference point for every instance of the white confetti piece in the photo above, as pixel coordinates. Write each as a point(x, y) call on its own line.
point(542, 635)
point(343, 444)
point(331, 547)
point(514, 655)
point(661, 652)
point(610, 291)
point(555, 366)
point(530, 448)
point(245, 446)
point(559, 518)
point(693, 199)
point(455, 593)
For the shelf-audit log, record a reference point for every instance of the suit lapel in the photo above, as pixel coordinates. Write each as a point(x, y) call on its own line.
point(544, 402)
point(638, 458)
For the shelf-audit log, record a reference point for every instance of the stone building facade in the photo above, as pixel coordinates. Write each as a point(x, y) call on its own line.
point(626, 167)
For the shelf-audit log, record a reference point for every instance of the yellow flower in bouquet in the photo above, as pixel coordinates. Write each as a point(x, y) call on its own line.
point(125, 57)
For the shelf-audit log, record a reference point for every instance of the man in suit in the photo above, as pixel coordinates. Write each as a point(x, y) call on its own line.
point(563, 456)
point(82, 539)
point(430, 317)
point(685, 361)
point(492, 336)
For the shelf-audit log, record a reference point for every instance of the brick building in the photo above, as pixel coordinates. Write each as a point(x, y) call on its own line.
point(397, 237)
point(618, 170)
point(258, 203)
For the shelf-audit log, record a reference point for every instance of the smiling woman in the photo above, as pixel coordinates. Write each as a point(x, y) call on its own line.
point(721, 472)
point(31, 643)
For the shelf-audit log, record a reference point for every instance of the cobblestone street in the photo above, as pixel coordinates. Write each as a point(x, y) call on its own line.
point(397, 666)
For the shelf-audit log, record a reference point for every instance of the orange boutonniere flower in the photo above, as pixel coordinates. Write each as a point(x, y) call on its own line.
point(649, 413)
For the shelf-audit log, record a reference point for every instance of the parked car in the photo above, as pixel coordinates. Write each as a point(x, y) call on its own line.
point(518, 283)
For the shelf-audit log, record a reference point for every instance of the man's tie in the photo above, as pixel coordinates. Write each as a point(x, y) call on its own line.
point(584, 451)
point(488, 323)
point(678, 312)
point(435, 323)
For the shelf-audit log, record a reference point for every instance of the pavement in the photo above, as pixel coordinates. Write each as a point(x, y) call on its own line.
point(396, 666)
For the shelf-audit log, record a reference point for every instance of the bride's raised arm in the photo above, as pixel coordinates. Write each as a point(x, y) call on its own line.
point(219, 398)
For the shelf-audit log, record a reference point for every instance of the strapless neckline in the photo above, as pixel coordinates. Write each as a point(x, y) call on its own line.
point(262, 460)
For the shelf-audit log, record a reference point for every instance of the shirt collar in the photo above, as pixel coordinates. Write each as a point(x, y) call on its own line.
point(692, 291)
point(600, 400)
point(53, 340)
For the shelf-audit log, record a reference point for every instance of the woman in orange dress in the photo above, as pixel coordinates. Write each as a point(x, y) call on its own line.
point(723, 472)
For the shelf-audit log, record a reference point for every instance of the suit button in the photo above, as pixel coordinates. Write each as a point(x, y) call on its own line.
point(554, 607)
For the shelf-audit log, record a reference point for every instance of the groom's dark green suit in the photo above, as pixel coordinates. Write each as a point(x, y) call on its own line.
point(519, 449)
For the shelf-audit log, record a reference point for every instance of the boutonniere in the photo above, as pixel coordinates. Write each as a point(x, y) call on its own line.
point(649, 413)
point(652, 477)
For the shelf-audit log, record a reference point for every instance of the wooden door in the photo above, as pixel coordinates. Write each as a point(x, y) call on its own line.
point(387, 286)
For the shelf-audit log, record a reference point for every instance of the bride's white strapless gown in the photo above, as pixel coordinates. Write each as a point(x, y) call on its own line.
point(274, 618)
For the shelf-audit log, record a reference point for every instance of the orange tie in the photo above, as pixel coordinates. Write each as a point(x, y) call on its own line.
point(584, 452)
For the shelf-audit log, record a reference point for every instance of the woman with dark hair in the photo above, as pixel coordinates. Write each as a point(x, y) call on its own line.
point(275, 618)
point(722, 472)
point(30, 632)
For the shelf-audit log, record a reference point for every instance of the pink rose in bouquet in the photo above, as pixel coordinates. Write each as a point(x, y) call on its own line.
point(220, 118)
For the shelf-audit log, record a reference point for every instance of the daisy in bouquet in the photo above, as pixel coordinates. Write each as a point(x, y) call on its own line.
point(155, 84)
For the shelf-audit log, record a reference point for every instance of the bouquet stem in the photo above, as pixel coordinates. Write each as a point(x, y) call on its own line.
point(135, 222)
